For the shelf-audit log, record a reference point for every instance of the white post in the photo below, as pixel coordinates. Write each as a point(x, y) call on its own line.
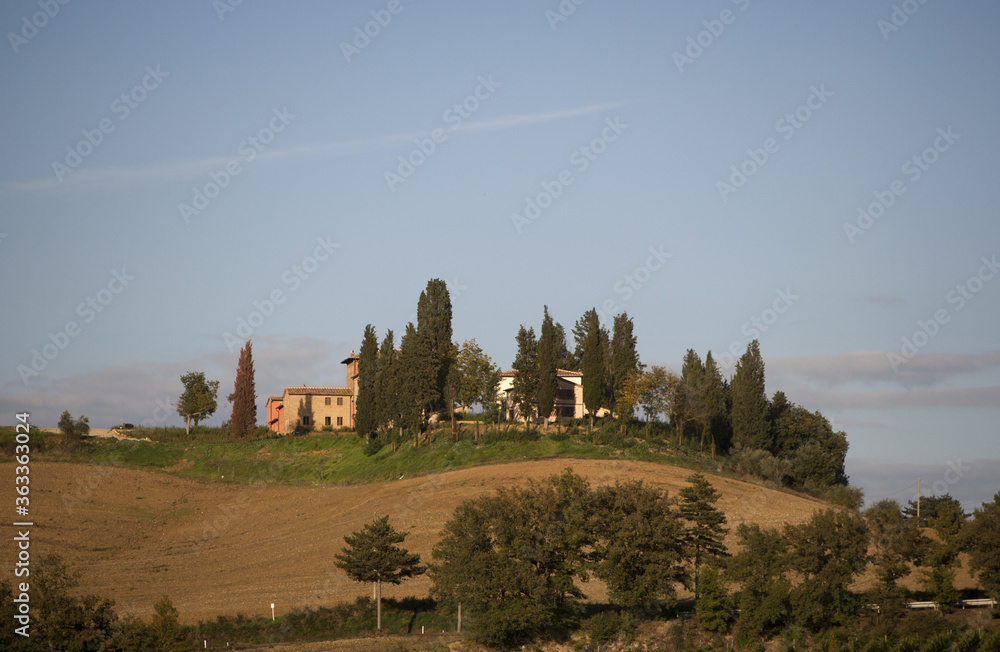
point(272, 611)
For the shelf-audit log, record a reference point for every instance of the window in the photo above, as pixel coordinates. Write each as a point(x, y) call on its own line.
point(340, 421)
point(328, 421)
point(305, 421)
point(327, 400)
point(340, 400)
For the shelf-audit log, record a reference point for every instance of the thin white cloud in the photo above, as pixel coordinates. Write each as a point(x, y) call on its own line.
point(922, 370)
point(888, 399)
point(970, 481)
point(119, 176)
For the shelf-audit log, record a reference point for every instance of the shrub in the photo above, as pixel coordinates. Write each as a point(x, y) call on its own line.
point(373, 446)
point(604, 627)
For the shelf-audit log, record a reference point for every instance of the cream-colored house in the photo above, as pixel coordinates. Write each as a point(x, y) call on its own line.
point(569, 396)
point(313, 408)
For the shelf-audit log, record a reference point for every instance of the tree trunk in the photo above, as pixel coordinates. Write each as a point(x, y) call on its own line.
point(188, 432)
point(459, 617)
point(378, 606)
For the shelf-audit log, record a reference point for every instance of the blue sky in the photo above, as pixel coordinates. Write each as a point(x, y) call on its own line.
point(818, 176)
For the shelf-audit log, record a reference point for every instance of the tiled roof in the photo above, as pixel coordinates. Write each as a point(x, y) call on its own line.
point(318, 391)
point(275, 398)
point(561, 373)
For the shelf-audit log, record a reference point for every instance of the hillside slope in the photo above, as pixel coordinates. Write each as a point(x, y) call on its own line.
point(218, 548)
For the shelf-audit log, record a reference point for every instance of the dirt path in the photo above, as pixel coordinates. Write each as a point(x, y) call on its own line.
point(226, 549)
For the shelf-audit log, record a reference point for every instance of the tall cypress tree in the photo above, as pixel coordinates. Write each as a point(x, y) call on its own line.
point(434, 328)
point(365, 418)
point(624, 357)
point(244, 398)
point(713, 397)
point(593, 365)
point(386, 384)
point(416, 380)
point(750, 408)
point(547, 364)
point(525, 372)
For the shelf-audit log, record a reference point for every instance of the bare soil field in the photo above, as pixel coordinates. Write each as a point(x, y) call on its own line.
point(217, 548)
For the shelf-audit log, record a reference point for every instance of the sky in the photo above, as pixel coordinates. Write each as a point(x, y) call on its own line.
point(178, 177)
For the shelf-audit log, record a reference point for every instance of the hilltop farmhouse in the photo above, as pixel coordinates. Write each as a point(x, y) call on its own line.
point(312, 408)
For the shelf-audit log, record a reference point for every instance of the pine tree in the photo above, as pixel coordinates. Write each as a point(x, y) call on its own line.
point(434, 327)
point(372, 554)
point(750, 407)
point(525, 372)
point(365, 409)
point(625, 366)
point(547, 365)
point(244, 398)
point(705, 530)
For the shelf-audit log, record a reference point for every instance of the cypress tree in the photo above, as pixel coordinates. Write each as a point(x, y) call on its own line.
point(365, 417)
point(386, 384)
point(624, 357)
point(434, 328)
point(244, 398)
point(713, 397)
point(751, 429)
point(525, 372)
point(593, 366)
point(547, 382)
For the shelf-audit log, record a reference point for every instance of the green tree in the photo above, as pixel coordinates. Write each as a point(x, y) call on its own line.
point(564, 357)
point(244, 397)
point(416, 378)
point(510, 560)
point(366, 406)
point(639, 545)
point(478, 378)
point(593, 365)
point(372, 554)
point(167, 630)
point(625, 365)
point(654, 393)
point(980, 540)
point(198, 401)
point(434, 327)
point(387, 384)
point(73, 430)
point(705, 528)
point(61, 618)
point(750, 408)
point(715, 607)
point(547, 364)
point(713, 398)
point(827, 552)
point(760, 569)
point(895, 542)
point(525, 372)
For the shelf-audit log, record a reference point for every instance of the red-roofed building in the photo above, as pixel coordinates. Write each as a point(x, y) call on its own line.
point(569, 396)
point(313, 408)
